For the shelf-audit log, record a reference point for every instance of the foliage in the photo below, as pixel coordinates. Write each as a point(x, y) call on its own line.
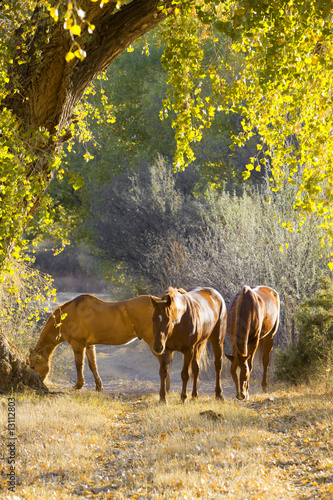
point(25, 296)
point(284, 93)
point(122, 228)
point(192, 100)
point(280, 83)
point(312, 355)
point(161, 235)
point(126, 133)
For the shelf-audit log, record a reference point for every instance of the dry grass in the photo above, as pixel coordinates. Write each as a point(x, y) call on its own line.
point(98, 446)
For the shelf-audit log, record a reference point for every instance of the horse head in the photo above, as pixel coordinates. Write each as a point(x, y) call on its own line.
point(38, 363)
point(168, 312)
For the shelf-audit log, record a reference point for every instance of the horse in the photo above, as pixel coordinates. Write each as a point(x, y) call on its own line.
point(183, 321)
point(87, 320)
point(253, 320)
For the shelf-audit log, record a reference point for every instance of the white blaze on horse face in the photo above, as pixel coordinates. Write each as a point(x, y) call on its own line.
point(160, 318)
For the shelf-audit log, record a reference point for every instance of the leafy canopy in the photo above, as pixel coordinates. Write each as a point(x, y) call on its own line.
point(282, 89)
point(280, 83)
point(284, 93)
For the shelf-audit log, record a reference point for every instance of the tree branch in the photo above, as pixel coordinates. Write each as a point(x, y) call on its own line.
point(114, 34)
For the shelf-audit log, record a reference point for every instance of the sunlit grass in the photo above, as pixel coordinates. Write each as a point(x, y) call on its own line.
point(98, 446)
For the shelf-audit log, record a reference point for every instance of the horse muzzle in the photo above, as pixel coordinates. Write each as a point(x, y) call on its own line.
point(158, 348)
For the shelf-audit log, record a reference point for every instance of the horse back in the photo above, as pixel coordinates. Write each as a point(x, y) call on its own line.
point(269, 303)
point(89, 320)
point(243, 320)
point(254, 313)
point(210, 306)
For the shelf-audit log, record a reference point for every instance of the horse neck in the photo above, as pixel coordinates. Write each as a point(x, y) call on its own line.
point(49, 338)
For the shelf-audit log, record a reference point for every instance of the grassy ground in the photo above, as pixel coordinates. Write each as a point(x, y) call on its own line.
point(100, 446)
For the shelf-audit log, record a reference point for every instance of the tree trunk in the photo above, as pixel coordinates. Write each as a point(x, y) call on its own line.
point(15, 374)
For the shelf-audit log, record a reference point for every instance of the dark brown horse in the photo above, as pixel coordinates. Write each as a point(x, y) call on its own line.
point(184, 321)
point(253, 320)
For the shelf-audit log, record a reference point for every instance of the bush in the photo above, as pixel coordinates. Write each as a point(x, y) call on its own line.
point(25, 297)
point(311, 357)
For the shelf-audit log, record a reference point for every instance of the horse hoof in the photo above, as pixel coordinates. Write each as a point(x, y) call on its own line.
point(99, 386)
point(220, 397)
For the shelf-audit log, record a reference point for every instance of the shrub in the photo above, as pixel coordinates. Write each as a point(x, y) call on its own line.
point(311, 357)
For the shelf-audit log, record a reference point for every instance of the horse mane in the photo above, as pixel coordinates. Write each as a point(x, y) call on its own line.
point(52, 327)
point(171, 310)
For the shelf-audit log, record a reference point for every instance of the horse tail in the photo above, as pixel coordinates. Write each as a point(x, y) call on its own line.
point(201, 356)
point(243, 315)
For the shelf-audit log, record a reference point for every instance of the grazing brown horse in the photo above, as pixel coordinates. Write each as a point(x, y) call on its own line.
point(253, 320)
point(86, 321)
point(184, 321)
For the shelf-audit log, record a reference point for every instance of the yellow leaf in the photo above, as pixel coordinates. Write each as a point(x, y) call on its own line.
point(54, 13)
point(69, 56)
point(80, 54)
point(75, 29)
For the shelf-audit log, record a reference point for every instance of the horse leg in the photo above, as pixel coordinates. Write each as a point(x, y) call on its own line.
point(267, 349)
point(79, 363)
point(235, 373)
point(218, 356)
point(195, 375)
point(164, 360)
point(168, 375)
point(252, 347)
point(91, 355)
point(188, 355)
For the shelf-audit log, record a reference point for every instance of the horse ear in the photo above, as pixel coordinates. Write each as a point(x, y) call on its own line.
point(168, 301)
point(229, 356)
point(155, 301)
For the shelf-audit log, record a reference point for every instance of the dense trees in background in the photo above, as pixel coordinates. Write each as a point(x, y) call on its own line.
point(148, 233)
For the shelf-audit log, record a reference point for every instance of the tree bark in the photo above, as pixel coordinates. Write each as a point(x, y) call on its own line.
point(15, 374)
